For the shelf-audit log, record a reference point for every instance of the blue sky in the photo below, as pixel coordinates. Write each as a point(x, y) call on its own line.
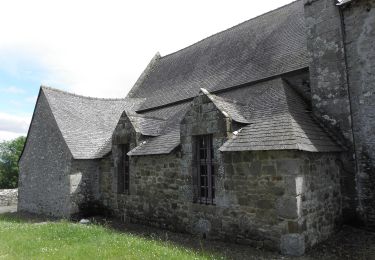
point(19, 88)
point(97, 48)
point(20, 78)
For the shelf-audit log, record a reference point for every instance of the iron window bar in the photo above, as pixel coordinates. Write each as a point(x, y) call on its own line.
point(205, 170)
point(123, 170)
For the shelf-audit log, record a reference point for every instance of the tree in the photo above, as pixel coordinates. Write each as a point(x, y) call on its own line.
point(10, 152)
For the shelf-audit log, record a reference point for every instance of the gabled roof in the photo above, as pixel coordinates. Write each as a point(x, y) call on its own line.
point(276, 118)
point(170, 137)
point(230, 108)
point(163, 144)
point(144, 125)
point(280, 120)
point(86, 123)
point(241, 65)
point(266, 46)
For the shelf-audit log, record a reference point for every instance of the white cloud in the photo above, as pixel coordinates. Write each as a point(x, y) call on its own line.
point(12, 90)
point(14, 124)
point(6, 136)
point(99, 48)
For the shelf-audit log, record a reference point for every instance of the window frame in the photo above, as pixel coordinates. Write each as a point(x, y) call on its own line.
point(204, 157)
point(123, 173)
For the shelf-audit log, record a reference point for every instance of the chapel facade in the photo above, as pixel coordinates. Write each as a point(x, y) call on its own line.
point(262, 134)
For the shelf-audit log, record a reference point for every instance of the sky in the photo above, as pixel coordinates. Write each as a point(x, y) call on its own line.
point(97, 48)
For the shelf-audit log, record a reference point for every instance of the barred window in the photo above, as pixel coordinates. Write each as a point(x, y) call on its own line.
point(123, 170)
point(205, 169)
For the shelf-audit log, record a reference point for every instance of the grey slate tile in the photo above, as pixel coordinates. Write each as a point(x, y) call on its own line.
point(269, 45)
point(87, 123)
point(280, 121)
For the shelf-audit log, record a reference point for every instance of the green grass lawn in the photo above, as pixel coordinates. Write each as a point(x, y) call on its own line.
point(20, 239)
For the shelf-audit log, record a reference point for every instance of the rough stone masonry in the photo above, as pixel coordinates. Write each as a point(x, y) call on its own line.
point(262, 134)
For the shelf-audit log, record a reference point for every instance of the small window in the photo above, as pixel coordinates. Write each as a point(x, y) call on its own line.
point(205, 169)
point(123, 170)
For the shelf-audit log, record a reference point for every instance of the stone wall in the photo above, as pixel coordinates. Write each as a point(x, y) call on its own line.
point(319, 191)
point(359, 20)
point(267, 199)
point(124, 133)
point(84, 183)
point(108, 183)
point(281, 200)
point(44, 184)
point(154, 192)
point(203, 118)
point(8, 197)
point(329, 87)
point(289, 198)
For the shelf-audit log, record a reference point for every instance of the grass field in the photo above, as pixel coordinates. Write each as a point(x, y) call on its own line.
point(26, 237)
point(20, 239)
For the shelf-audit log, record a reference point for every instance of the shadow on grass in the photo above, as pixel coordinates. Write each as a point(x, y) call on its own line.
point(349, 243)
point(218, 249)
point(214, 249)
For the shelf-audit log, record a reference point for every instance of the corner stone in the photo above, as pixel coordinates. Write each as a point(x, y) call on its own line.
point(292, 244)
point(287, 207)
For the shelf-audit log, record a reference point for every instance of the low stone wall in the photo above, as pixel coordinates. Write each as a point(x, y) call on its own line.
point(8, 197)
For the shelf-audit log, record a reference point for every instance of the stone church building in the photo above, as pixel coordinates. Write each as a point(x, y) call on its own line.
point(262, 134)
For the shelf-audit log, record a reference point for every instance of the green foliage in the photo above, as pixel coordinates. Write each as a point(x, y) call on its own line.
point(66, 240)
point(10, 152)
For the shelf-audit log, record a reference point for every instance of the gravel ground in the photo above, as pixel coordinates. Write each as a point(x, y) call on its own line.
point(349, 243)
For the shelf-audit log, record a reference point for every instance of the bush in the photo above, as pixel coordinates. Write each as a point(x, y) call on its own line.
point(10, 152)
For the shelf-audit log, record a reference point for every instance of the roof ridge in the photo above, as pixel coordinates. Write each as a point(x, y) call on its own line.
point(43, 87)
point(144, 74)
point(231, 28)
point(146, 117)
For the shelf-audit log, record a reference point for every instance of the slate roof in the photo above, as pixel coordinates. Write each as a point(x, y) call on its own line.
point(275, 117)
point(170, 137)
point(268, 45)
point(86, 123)
point(163, 144)
point(149, 126)
point(242, 65)
point(280, 120)
point(234, 110)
